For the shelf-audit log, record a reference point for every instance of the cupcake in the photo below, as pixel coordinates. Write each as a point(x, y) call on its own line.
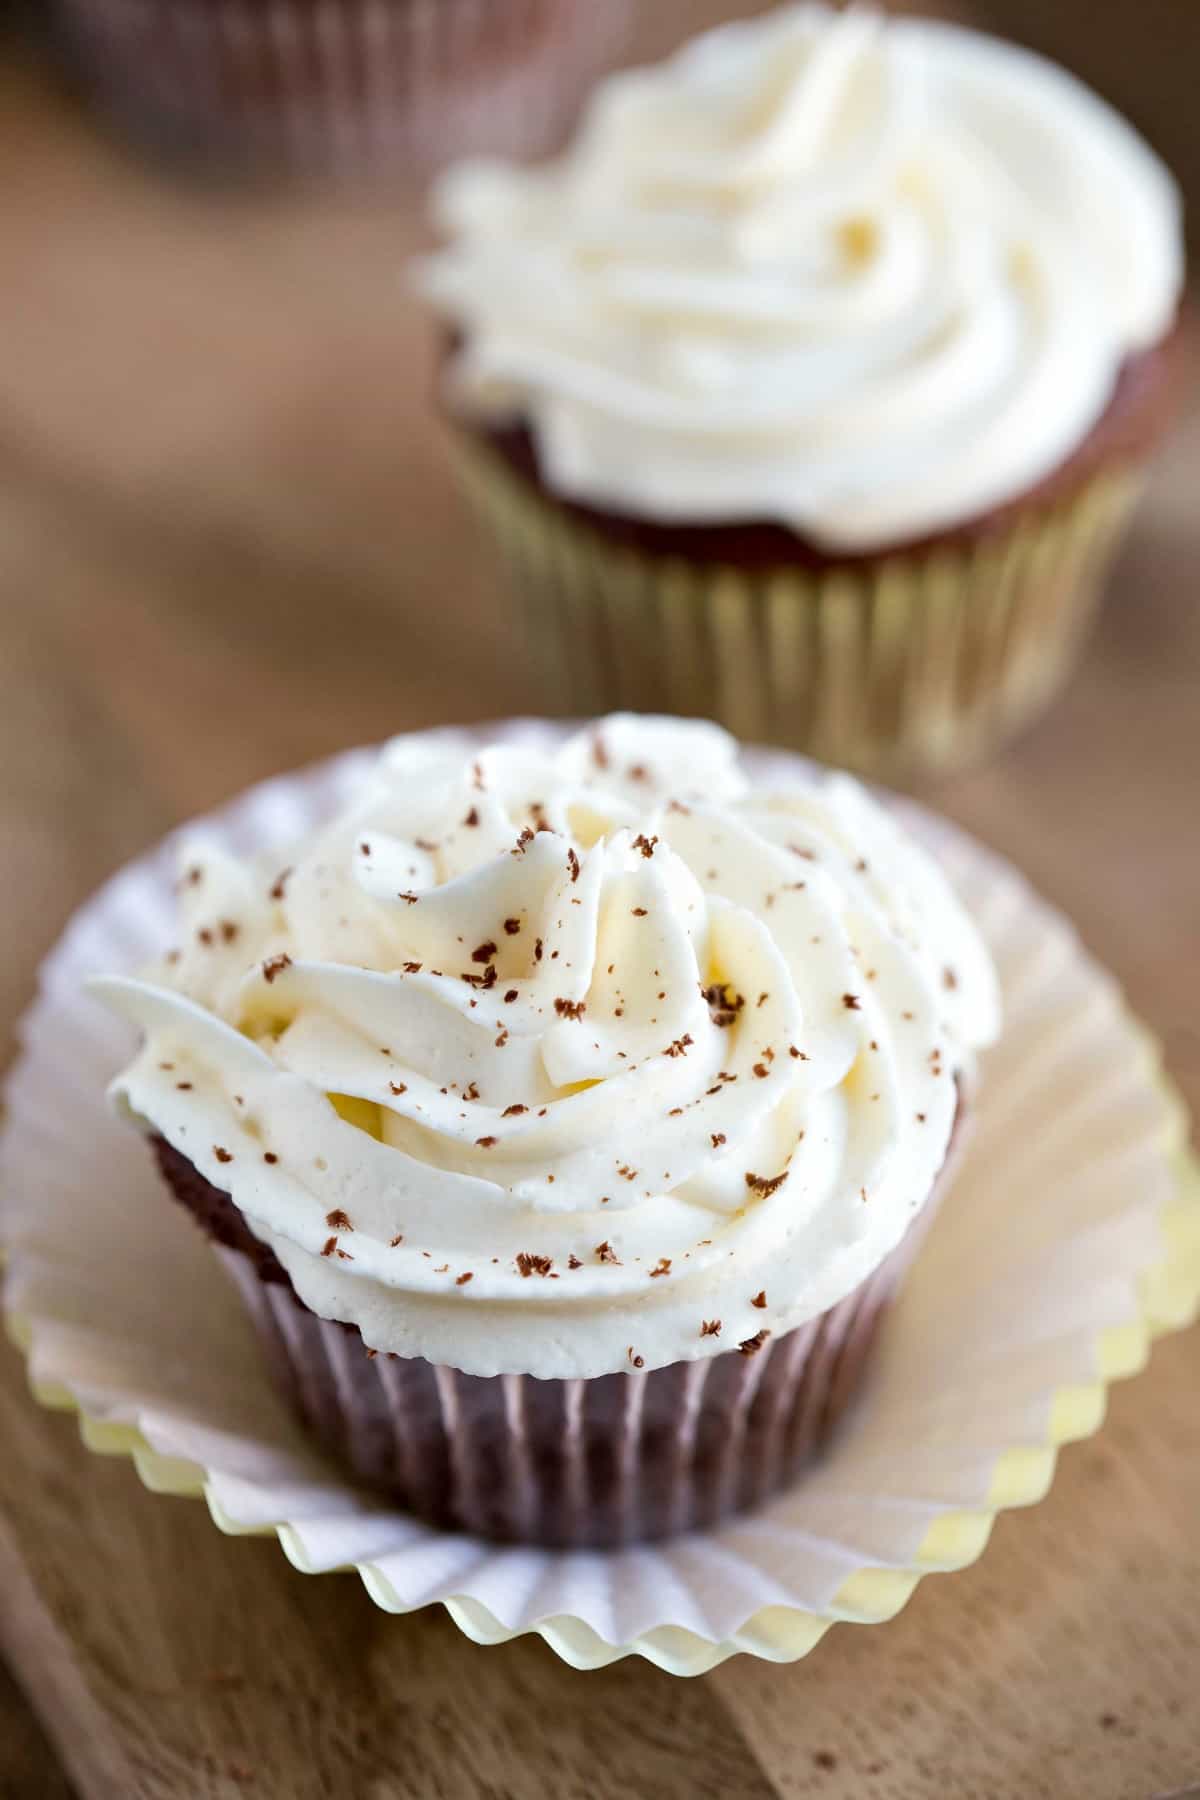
point(363, 85)
point(811, 387)
point(566, 1116)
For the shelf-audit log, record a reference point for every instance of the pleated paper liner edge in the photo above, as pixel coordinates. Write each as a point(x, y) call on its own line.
point(906, 663)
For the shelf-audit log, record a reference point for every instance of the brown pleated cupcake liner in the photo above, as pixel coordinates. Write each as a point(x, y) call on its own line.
point(572, 1464)
point(908, 662)
point(341, 86)
point(616, 1459)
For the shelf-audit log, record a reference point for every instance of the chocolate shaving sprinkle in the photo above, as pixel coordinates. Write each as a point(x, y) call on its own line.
point(275, 965)
point(765, 1185)
point(645, 844)
point(524, 837)
point(570, 1009)
point(472, 818)
point(477, 776)
point(799, 1055)
point(949, 979)
point(488, 979)
point(722, 1008)
point(365, 849)
point(573, 1262)
point(511, 1112)
point(573, 863)
point(638, 772)
point(512, 926)
point(920, 1118)
point(412, 968)
point(408, 897)
point(718, 1138)
point(329, 1246)
point(599, 752)
point(338, 1220)
point(269, 1156)
point(205, 936)
point(710, 1328)
point(398, 1087)
point(528, 1264)
point(510, 996)
point(606, 1253)
point(184, 1086)
point(470, 1092)
point(444, 1268)
point(752, 1345)
point(639, 1362)
point(664, 1267)
point(462, 1280)
point(166, 1065)
point(851, 1002)
point(537, 950)
point(761, 1070)
point(425, 845)
point(760, 1299)
point(222, 1154)
point(639, 912)
point(398, 1239)
point(485, 1143)
point(483, 953)
point(680, 1046)
point(626, 1173)
point(229, 930)
point(193, 877)
point(677, 806)
point(275, 891)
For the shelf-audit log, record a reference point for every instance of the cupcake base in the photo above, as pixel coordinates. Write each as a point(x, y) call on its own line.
point(580, 1464)
point(914, 658)
point(348, 88)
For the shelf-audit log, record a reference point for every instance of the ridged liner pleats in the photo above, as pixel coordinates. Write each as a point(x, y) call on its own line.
point(911, 661)
point(342, 85)
point(574, 1463)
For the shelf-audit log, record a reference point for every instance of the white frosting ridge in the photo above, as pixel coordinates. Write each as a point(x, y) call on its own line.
point(863, 279)
point(542, 1061)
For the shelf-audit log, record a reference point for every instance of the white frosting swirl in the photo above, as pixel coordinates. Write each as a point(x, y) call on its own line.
point(867, 280)
point(543, 1061)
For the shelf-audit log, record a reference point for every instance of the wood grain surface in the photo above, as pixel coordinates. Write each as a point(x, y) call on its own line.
point(228, 544)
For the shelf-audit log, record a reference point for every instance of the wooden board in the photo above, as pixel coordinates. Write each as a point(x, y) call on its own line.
point(226, 546)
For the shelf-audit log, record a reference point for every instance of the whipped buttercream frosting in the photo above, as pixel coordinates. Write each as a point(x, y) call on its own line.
point(568, 1055)
point(864, 279)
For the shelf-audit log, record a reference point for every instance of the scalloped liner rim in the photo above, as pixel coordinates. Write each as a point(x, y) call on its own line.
point(1169, 1300)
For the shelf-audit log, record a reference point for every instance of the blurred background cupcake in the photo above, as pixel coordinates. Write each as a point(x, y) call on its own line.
point(348, 86)
point(811, 387)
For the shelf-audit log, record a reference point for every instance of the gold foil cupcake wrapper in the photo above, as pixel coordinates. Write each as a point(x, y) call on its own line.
point(907, 662)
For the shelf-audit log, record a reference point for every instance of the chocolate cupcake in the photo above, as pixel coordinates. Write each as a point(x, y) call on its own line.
point(811, 387)
point(360, 86)
point(567, 1118)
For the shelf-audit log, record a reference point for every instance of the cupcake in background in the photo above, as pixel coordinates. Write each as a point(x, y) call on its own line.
point(341, 86)
point(567, 1112)
point(811, 387)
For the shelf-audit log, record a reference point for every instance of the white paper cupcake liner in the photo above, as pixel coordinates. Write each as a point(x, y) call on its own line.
point(1070, 1238)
